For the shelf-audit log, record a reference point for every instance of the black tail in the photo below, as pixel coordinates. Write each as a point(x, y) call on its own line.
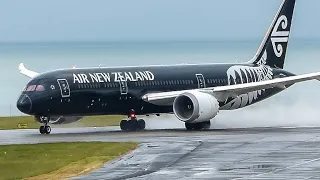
point(272, 51)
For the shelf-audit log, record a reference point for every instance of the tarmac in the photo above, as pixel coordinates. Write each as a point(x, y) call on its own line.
point(254, 153)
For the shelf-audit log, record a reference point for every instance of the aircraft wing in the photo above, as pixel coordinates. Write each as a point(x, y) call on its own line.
point(23, 70)
point(223, 92)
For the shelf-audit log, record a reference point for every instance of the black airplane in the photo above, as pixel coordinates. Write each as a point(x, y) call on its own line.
point(195, 93)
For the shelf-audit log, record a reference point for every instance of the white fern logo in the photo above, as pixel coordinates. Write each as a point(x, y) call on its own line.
point(279, 35)
point(246, 74)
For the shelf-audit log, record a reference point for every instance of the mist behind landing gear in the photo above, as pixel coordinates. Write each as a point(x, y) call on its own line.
point(164, 121)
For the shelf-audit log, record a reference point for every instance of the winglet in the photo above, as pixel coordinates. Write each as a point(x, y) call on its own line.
point(23, 70)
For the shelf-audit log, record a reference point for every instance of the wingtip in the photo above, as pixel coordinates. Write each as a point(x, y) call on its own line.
point(21, 66)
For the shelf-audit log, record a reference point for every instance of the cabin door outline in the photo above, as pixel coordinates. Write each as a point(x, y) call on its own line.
point(64, 88)
point(123, 87)
point(201, 81)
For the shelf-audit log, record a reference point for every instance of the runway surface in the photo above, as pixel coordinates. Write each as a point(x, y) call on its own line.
point(257, 153)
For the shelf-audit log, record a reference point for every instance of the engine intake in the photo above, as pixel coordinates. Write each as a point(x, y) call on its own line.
point(195, 106)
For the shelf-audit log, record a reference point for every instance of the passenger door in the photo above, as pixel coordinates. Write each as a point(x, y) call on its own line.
point(201, 81)
point(64, 88)
point(123, 87)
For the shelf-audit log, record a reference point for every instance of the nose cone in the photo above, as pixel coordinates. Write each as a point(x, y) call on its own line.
point(24, 103)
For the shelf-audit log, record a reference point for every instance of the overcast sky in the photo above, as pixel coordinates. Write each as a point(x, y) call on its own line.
point(111, 20)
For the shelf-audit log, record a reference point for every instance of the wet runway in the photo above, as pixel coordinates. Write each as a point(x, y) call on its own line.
point(256, 153)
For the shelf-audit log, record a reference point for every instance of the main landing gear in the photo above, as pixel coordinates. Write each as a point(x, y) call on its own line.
point(45, 129)
point(198, 126)
point(132, 124)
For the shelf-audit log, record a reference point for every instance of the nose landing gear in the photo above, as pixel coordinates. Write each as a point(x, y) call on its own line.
point(132, 124)
point(45, 129)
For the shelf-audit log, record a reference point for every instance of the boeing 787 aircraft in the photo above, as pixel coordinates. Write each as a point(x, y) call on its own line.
point(195, 93)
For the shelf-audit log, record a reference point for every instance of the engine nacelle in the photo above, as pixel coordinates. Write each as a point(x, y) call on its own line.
point(195, 106)
point(60, 119)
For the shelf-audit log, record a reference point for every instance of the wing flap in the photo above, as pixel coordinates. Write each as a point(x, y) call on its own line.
point(23, 70)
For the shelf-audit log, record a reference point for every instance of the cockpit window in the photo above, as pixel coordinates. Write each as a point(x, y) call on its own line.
point(30, 88)
point(40, 88)
point(34, 88)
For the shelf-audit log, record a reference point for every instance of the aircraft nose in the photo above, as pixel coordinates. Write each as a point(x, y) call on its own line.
point(24, 103)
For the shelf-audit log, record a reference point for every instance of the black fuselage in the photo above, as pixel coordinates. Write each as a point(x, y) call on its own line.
point(102, 91)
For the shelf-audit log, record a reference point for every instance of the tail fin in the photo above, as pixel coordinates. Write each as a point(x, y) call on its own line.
point(272, 50)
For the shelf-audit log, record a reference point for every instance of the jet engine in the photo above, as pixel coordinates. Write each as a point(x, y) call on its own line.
point(195, 107)
point(61, 119)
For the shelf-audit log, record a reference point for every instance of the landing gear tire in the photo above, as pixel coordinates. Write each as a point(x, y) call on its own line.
point(124, 125)
point(189, 126)
point(142, 124)
point(132, 125)
point(198, 126)
point(206, 125)
point(45, 129)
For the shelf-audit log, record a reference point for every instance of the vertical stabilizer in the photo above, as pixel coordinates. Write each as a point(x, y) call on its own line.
point(272, 50)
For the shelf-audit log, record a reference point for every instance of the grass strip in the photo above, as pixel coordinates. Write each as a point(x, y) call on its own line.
point(18, 122)
point(57, 160)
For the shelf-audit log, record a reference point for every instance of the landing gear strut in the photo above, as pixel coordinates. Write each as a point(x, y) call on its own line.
point(132, 124)
point(45, 129)
point(198, 126)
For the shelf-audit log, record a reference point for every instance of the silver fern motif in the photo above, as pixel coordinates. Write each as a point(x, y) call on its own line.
point(246, 74)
